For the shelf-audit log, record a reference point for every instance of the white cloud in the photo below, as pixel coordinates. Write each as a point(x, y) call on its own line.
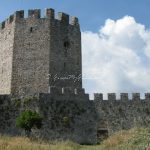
point(117, 58)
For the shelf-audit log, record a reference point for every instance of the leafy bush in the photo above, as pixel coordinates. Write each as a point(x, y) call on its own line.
point(29, 119)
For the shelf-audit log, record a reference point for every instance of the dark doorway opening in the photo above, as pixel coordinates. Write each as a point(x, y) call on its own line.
point(102, 134)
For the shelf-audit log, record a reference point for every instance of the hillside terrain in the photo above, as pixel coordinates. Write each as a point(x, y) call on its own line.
point(133, 139)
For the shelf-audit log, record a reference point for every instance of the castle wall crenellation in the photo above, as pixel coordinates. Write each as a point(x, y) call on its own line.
point(36, 14)
point(66, 91)
point(123, 97)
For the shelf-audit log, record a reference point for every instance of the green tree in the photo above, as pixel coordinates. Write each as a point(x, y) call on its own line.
point(29, 119)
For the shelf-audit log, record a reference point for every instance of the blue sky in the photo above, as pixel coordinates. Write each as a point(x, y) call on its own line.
point(92, 13)
point(115, 40)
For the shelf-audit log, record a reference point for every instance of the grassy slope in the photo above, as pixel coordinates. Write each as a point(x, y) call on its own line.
point(134, 139)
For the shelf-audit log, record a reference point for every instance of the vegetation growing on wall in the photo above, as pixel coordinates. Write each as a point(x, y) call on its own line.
point(29, 119)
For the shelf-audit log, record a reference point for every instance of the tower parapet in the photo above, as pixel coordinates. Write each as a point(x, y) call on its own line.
point(36, 14)
point(74, 21)
point(124, 96)
point(50, 13)
point(18, 15)
point(111, 96)
point(64, 18)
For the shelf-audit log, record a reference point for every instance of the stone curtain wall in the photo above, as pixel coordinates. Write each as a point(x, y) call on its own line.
point(124, 113)
point(8, 112)
point(68, 119)
point(67, 116)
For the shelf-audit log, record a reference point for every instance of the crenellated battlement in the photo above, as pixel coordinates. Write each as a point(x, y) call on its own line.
point(66, 91)
point(123, 97)
point(36, 14)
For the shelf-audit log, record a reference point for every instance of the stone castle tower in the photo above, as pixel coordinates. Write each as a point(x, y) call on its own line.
point(37, 53)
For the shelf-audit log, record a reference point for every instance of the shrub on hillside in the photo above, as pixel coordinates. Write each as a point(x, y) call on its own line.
point(29, 119)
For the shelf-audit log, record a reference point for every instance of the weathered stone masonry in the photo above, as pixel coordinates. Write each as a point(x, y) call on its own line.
point(6, 54)
point(124, 113)
point(41, 69)
point(35, 52)
point(67, 116)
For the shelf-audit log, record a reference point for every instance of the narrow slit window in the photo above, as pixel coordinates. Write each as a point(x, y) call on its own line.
point(64, 66)
point(31, 29)
point(66, 45)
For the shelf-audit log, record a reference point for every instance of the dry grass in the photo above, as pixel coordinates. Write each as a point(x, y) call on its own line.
point(119, 137)
point(23, 143)
point(134, 139)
